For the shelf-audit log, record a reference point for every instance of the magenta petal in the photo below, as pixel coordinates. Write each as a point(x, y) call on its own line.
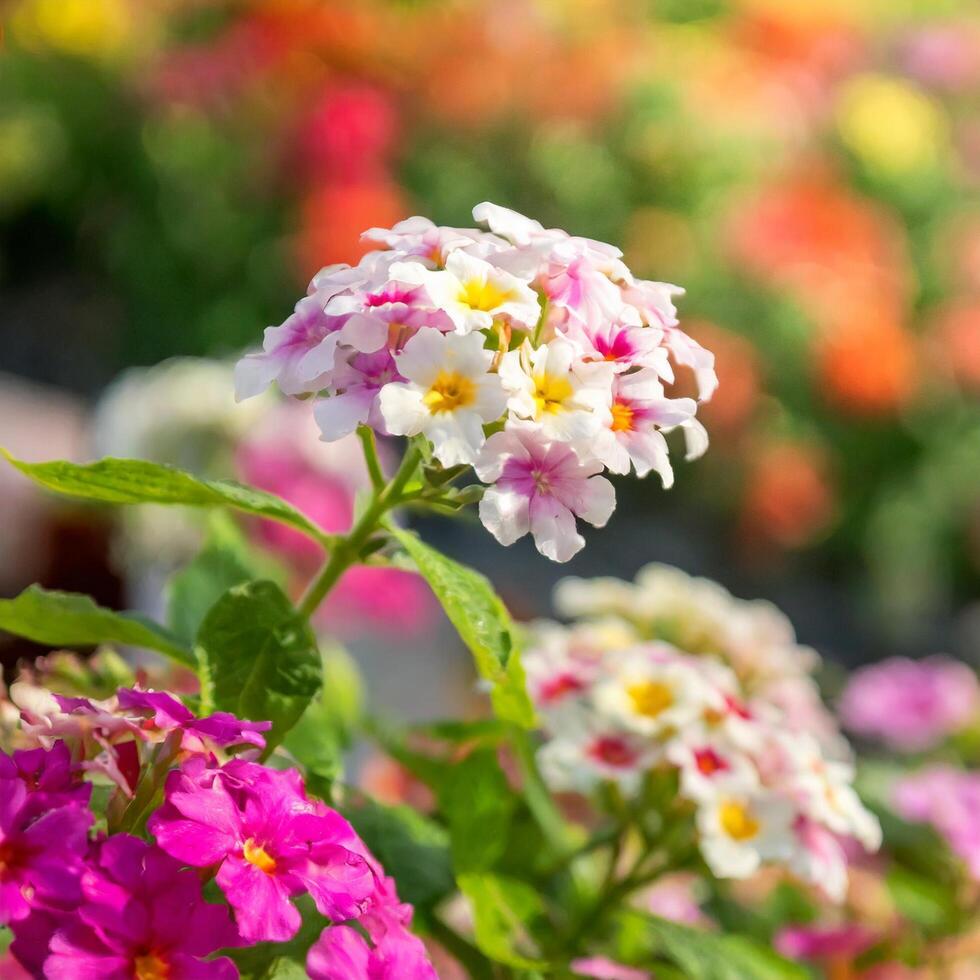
point(184, 967)
point(262, 905)
point(339, 954)
point(191, 842)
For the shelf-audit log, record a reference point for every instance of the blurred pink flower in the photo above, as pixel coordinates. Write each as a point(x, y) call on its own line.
point(348, 133)
point(674, 897)
point(823, 942)
point(602, 968)
point(949, 800)
point(911, 705)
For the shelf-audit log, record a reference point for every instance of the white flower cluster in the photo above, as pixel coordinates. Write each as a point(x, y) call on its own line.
point(532, 355)
point(616, 706)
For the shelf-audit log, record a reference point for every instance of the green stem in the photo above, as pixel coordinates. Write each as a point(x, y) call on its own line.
point(348, 548)
point(538, 799)
point(366, 435)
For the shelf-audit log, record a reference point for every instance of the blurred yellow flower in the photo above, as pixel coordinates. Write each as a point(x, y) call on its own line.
point(87, 28)
point(891, 126)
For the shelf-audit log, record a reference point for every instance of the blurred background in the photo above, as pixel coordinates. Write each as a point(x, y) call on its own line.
point(173, 171)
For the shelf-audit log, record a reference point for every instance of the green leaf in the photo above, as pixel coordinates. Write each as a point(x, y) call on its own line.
point(226, 559)
point(478, 805)
point(411, 847)
point(481, 620)
point(66, 619)
point(258, 657)
point(136, 481)
point(713, 956)
point(503, 911)
point(928, 903)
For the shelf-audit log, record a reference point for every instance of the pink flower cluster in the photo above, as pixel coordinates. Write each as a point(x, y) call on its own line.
point(949, 800)
point(911, 705)
point(120, 907)
point(544, 340)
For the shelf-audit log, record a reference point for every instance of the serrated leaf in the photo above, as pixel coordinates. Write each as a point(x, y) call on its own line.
point(482, 621)
point(475, 797)
point(137, 481)
point(411, 848)
point(66, 619)
point(503, 911)
point(259, 657)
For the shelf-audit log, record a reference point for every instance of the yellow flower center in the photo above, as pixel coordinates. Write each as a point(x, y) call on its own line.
point(483, 296)
point(150, 967)
point(650, 698)
point(622, 417)
point(450, 390)
point(256, 854)
point(738, 821)
point(550, 393)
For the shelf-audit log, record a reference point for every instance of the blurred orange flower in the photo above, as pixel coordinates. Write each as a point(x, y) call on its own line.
point(789, 496)
point(333, 217)
point(956, 334)
point(867, 363)
point(811, 235)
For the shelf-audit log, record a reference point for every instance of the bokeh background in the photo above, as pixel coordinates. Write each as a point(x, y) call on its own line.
point(173, 171)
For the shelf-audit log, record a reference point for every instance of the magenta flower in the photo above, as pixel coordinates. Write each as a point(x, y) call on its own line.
point(911, 705)
point(342, 953)
point(40, 856)
point(268, 841)
point(541, 487)
point(167, 714)
point(48, 775)
point(141, 918)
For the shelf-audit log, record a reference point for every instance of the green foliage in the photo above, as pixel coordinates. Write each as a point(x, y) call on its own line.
point(712, 956)
point(481, 620)
point(258, 657)
point(70, 620)
point(504, 911)
point(227, 559)
point(413, 849)
point(135, 481)
point(478, 805)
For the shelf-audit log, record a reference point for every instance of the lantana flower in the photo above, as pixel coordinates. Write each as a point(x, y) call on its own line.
point(581, 347)
point(619, 703)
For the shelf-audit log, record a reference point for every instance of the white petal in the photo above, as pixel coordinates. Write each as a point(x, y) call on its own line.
point(423, 356)
point(456, 437)
point(366, 334)
point(340, 415)
point(253, 374)
point(402, 408)
point(597, 501)
point(553, 527)
point(505, 515)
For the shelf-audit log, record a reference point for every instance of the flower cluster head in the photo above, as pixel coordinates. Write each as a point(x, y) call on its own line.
point(123, 907)
point(530, 354)
point(911, 705)
point(621, 705)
